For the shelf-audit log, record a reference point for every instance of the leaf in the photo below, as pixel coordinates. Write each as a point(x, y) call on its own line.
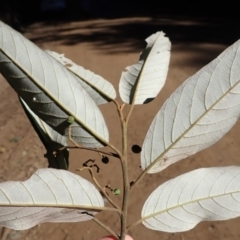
point(51, 140)
point(50, 195)
point(141, 82)
point(197, 114)
point(97, 87)
point(48, 134)
point(50, 90)
point(207, 194)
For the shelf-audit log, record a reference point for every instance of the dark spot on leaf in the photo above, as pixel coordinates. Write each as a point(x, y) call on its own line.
point(148, 100)
point(165, 159)
point(136, 149)
point(105, 160)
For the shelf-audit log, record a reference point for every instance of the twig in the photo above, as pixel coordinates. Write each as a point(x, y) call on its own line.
point(90, 149)
point(123, 158)
point(134, 224)
point(106, 227)
point(140, 177)
point(125, 181)
point(70, 137)
point(129, 113)
point(99, 138)
point(119, 110)
point(99, 186)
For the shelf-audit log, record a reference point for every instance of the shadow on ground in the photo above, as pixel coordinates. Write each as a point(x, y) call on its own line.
point(130, 32)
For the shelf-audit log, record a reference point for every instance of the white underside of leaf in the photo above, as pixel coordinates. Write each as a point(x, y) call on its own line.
point(58, 189)
point(49, 89)
point(141, 82)
point(207, 194)
point(99, 89)
point(197, 114)
point(51, 134)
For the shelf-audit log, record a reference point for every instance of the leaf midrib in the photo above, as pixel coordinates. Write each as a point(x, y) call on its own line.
point(138, 79)
point(189, 202)
point(69, 206)
point(193, 125)
point(107, 97)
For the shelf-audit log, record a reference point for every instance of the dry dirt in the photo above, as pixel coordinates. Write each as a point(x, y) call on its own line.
point(107, 47)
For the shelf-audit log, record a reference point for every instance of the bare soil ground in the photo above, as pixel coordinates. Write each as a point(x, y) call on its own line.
point(107, 47)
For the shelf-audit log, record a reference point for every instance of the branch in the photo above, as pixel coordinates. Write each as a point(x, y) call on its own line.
point(140, 177)
point(90, 149)
point(99, 186)
point(101, 224)
point(129, 113)
point(105, 227)
point(134, 224)
point(123, 157)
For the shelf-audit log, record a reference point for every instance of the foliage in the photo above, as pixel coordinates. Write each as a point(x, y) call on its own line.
point(61, 101)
